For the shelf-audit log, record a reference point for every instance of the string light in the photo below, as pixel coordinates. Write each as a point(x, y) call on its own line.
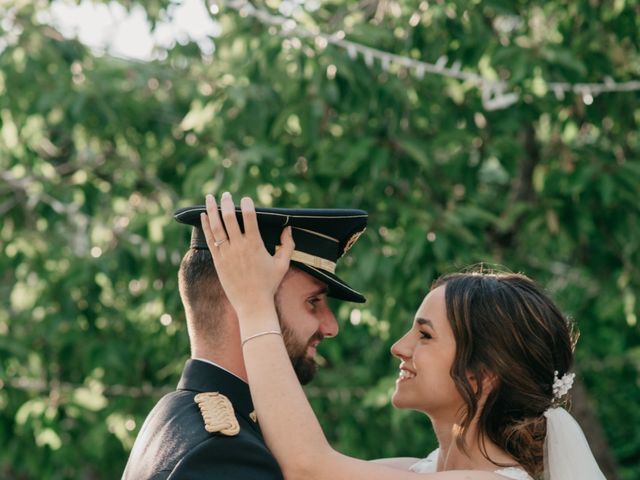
point(386, 62)
point(494, 93)
point(368, 58)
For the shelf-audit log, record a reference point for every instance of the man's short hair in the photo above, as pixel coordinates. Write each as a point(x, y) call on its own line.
point(202, 295)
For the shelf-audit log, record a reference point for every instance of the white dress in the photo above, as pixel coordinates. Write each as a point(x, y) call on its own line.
point(429, 465)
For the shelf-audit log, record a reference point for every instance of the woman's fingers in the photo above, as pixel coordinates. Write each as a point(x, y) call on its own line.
point(206, 228)
point(245, 267)
point(283, 255)
point(249, 219)
point(212, 226)
point(217, 228)
point(229, 217)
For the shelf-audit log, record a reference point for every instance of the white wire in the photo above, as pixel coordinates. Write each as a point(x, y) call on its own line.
point(494, 93)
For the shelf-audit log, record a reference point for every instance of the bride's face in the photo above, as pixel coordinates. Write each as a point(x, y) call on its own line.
point(427, 352)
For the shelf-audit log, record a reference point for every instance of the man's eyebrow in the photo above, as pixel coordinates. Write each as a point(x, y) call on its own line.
point(424, 321)
point(320, 291)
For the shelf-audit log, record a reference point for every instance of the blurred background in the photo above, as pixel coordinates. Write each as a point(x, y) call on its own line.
point(486, 131)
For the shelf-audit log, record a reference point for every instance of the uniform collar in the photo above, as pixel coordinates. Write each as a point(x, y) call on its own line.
point(216, 365)
point(199, 376)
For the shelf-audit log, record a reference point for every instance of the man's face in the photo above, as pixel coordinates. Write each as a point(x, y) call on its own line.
point(305, 319)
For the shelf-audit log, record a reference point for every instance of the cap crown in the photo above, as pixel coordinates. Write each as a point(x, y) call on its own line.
point(321, 237)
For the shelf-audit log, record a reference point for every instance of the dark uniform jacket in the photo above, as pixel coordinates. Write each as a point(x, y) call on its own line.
point(173, 443)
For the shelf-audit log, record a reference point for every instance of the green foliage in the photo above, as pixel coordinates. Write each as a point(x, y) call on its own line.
point(97, 152)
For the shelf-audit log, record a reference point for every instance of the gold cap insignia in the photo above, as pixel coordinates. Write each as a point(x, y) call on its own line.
point(354, 238)
point(217, 413)
point(253, 416)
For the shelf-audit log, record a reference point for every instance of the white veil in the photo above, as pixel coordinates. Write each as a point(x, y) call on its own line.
point(567, 455)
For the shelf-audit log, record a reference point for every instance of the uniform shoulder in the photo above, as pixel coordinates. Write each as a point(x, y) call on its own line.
point(244, 455)
point(174, 443)
point(236, 451)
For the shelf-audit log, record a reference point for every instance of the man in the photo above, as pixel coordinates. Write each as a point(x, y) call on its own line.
point(207, 429)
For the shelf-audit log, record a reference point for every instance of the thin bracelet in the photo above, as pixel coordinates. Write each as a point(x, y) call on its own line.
point(270, 332)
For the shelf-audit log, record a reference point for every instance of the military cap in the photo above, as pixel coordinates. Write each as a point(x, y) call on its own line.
point(321, 238)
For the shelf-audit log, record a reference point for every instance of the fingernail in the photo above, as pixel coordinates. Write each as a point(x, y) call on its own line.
point(246, 203)
point(209, 199)
point(226, 195)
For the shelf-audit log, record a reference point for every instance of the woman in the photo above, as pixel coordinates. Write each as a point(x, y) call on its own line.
point(487, 358)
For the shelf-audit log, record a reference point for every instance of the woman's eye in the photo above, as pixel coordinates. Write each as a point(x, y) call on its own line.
point(425, 335)
point(313, 301)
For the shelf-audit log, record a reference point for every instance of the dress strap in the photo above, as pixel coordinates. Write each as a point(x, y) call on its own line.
point(514, 473)
point(426, 465)
point(429, 464)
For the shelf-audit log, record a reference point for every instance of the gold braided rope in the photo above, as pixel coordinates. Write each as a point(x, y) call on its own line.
point(217, 413)
point(312, 260)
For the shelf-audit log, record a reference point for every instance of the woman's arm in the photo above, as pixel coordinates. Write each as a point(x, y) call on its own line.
point(401, 463)
point(292, 430)
point(250, 277)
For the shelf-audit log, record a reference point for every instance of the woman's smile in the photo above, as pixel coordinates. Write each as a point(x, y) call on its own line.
point(405, 374)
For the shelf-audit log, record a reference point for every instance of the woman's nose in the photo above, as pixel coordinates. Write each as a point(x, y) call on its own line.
point(401, 348)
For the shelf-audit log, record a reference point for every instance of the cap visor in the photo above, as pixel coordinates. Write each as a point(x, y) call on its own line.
point(337, 288)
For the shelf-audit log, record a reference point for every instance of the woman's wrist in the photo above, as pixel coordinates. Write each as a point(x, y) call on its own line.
point(255, 311)
point(260, 334)
point(258, 318)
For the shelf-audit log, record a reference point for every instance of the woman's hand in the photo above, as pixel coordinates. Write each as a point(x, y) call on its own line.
point(248, 273)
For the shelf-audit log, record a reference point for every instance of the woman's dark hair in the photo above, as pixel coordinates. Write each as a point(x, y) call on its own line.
point(509, 331)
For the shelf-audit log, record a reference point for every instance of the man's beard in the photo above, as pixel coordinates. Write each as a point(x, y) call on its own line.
point(304, 366)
